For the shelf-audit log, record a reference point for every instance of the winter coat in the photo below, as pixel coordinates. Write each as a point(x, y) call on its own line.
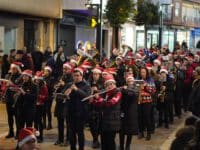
point(111, 110)
point(129, 112)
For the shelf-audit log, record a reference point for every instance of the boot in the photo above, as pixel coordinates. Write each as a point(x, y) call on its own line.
point(141, 135)
point(95, 144)
point(148, 137)
point(10, 135)
point(49, 127)
point(128, 148)
point(121, 148)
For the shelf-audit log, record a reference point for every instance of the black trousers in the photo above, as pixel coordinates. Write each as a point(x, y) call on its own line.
point(108, 140)
point(76, 129)
point(122, 140)
point(94, 123)
point(186, 92)
point(163, 108)
point(11, 114)
point(61, 124)
point(47, 113)
point(144, 117)
point(177, 106)
point(38, 119)
point(26, 118)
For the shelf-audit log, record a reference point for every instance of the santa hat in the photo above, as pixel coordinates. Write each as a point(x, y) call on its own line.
point(67, 65)
point(97, 69)
point(25, 135)
point(28, 72)
point(86, 65)
point(158, 61)
point(129, 77)
point(149, 66)
point(164, 69)
point(109, 78)
point(35, 132)
point(109, 71)
point(17, 65)
point(48, 68)
point(129, 55)
point(138, 56)
point(39, 75)
point(177, 62)
point(79, 69)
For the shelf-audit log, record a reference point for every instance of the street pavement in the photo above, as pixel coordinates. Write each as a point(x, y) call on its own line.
point(161, 139)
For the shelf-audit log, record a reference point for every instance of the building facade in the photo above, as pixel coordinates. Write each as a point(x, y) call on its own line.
point(28, 24)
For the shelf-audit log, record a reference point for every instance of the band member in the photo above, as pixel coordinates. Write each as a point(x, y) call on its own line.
point(129, 112)
point(41, 98)
point(61, 108)
point(96, 83)
point(26, 102)
point(110, 103)
point(120, 69)
point(147, 89)
point(165, 98)
point(77, 109)
point(13, 77)
point(49, 79)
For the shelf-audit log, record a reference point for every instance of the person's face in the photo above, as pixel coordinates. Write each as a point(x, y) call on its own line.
point(155, 64)
point(118, 61)
point(18, 56)
point(163, 75)
point(143, 73)
point(13, 70)
point(110, 85)
point(25, 78)
point(96, 76)
point(77, 77)
point(60, 50)
point(37, 82)
point(46, 73)
point(129, 82)
point(13, 53)
point(30, 145)
point(66, 70)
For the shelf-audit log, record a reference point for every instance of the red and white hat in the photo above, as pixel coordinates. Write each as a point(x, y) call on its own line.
point(39, 75)
point(17, 65)
point(68, 65)
point(164, 69)
point(129, 55)
point(129, 77)
point(25, 135)
point(149, 66)
point(97, 69)
point(109, 71)
point(120, 57)
point(73, 61)
point(79, 69)
point(48, 68)
point(86, 64)
point(177, 62)
point(109, 78)
point(28, 72)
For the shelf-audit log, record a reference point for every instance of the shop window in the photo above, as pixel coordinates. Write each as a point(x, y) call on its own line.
point(177, 9)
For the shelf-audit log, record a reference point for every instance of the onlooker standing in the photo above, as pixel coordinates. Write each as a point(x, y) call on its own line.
point(4, 66)
point(37, 57)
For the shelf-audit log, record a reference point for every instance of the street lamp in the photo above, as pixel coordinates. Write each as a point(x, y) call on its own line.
point(99, 24)
point(161, 22)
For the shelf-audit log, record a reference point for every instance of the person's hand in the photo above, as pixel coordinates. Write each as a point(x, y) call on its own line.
point(74, 87)
point(68, 91)
point(96, 95)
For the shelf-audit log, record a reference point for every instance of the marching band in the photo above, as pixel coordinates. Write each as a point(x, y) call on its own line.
point(117, 95)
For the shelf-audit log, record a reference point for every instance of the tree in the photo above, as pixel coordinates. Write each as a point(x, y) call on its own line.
point(147, 14)
point(118, 12)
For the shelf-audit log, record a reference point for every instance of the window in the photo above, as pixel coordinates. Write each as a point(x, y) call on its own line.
point(177, 9)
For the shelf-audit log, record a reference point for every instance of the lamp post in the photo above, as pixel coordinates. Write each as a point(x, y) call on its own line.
point(161, 22)
point(99, 15)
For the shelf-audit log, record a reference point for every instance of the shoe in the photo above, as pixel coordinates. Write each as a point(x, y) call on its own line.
point(61, 144)
point(159, 125)
point(128, 148)
point(167, 126)
point(140, 135)
point(49, 127)
point(40, 140)
point(148, 137)
point(10, 135)
point(121, 148)
point(66, 143)
point(57, 142)
point(96, 144)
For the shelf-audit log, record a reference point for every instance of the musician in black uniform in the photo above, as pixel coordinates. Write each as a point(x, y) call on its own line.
point(77, 109)
point(13, 77)
point(120, 67)
point(61, 108)
point(96, 83)
point(49, 79)
point(110, 104)
point(129, 112)
point(26, 102)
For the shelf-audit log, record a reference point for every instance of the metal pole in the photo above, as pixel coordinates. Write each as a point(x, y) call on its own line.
point(160, 27)
point(100, 41)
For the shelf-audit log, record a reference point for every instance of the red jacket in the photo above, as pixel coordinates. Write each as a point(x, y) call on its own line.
point(42, 96)
point(109, 100)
